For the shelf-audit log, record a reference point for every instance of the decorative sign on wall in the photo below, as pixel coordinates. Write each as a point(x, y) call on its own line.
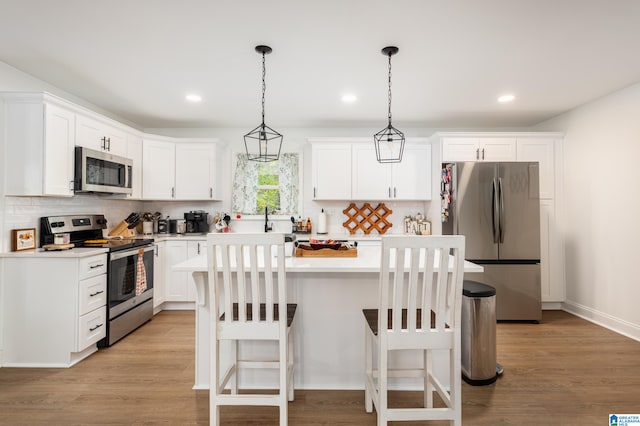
point(367, 218)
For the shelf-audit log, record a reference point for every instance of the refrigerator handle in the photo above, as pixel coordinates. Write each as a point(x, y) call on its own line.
point(494, 211)
point(501, 224)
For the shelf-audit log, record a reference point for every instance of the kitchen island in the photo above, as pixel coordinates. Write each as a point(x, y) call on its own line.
point(329, 328)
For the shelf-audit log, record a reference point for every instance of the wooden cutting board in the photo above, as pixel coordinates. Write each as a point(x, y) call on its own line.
point(326, 252)
point(58, 246)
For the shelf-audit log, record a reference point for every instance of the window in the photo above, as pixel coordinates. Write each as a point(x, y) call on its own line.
point(274, 185)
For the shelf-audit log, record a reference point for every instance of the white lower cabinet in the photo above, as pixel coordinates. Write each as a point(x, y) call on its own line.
point(159, 278)
point(53, 309)
point(179, 285)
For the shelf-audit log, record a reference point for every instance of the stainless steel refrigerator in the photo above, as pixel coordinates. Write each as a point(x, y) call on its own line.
point(497, 207)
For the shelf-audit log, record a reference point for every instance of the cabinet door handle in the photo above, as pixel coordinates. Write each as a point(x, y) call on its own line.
point(394, 192)
point(96, 293)
point(483, 153)
point(210, 192)
point(104, 143)
point(477, 153)
point(96, 327)
point(173, 192)
point(198, 248)
point(99, 265)
point(156, 250)
point(314, 192)
point(389, 191)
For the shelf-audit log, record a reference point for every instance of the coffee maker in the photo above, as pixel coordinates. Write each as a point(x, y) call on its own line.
point(196, 222)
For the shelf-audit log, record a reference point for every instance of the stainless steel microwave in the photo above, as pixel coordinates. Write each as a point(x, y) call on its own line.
point(97, 171)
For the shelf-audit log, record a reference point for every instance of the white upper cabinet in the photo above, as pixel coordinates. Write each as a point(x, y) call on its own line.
point(331, 171)
point(347, 169)
point(100, 136)
point(175, 170)
point(371, 180)
point(540, 150)
point(195, 171)
point(408, 180)
point(412, 177)
point(478, 149)
point(40, 137)
point(158, 170)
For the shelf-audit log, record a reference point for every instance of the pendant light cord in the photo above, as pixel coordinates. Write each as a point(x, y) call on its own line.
point(389, 89)
point(264, 85)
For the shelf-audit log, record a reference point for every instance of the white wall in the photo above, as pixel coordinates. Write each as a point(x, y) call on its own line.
point(602, 209)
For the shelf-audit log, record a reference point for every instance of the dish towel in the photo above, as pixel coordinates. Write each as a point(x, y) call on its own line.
point(141, 274)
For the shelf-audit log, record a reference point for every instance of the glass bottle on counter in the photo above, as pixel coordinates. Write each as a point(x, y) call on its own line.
point(308, 226)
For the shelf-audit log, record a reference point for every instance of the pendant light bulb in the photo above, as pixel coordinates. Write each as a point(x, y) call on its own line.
point(393, 137)
point(263, 144)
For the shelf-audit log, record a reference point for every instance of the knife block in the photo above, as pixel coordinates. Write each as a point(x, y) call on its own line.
point(122, 230)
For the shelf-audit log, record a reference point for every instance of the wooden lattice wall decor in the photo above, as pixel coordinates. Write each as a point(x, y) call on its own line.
point(367, 218)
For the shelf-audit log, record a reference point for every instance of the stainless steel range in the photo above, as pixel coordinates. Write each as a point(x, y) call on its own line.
point(129, 273)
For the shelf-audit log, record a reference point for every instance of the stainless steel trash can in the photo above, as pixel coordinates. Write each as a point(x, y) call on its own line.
point(478, 333)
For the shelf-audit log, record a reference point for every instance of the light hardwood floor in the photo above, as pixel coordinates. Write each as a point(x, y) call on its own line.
point(563, 371)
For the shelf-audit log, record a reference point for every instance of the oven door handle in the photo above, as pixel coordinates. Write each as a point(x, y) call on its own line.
point(126, 253)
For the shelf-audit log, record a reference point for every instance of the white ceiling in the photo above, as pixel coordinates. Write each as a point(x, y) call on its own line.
point(138, 58)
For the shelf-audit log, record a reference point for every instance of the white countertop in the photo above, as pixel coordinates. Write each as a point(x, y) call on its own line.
point(40, 253)
point(368, 260)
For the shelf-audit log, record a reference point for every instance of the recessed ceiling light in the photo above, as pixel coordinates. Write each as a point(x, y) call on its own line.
point(349, 98)
point(506, 98)
point(192, 97)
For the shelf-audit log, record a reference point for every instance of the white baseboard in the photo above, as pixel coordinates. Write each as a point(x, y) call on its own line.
point(177, 306)
point(610, 322)
point(551, 306)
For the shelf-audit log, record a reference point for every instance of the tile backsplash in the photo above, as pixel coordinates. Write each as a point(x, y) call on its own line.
point(25, 212)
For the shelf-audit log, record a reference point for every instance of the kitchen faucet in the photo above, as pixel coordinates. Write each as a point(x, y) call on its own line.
point(267, 227)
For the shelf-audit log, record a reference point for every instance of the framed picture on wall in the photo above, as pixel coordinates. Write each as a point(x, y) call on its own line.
point(23, 239)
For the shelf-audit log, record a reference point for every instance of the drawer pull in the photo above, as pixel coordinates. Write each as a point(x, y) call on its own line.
point(96, 327)
point(99, 265)
point(96, 293)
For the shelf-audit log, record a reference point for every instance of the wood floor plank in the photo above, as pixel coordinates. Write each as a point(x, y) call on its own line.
point(562, 371)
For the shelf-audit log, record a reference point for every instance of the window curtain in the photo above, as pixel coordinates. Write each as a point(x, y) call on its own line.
point(245, 183)
point(289, 183)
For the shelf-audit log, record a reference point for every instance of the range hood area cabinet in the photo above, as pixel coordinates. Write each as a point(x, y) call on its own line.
point(178, 170)
point(39, 141)
point(94, 134)
point(347, 169)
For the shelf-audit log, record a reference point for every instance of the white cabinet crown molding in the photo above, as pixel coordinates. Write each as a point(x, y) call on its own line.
point(27, 97)
point(555, 135)
point(359, 139)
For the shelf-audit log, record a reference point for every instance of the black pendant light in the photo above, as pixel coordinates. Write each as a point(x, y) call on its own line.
point(263, 143)
point(389, 141)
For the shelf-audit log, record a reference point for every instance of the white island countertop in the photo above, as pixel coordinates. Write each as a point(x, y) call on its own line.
point(368, 260)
